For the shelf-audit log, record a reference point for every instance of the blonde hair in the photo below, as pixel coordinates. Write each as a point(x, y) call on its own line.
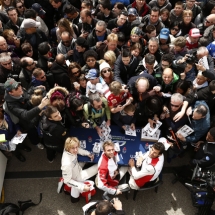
point(115, 87)
point(36, 97)
point(187, 13)
point(70, 142)
point(107, 143)
point(111, 56)
point(112, 37)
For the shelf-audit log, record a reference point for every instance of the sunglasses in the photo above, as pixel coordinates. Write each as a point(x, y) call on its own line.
point(207, 21)
point(99, 31)
point(107, 70)
point(20, 7)
point(74, 73)
point(5, 64)
point(176, 29)
point(43, 77)
point(107, 60)
point(175, 105)
point(31, 64)
point(91, 60)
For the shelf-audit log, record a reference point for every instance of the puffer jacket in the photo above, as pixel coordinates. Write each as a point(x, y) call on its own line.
point(71, 170)
point(167, 5)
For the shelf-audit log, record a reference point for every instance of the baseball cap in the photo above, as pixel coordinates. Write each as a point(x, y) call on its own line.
point(92, 74)
point(132, 11)
point(164, 33)
point(137, 31)
point(194, 32)
point(11, 84)
point(30, 23)
point(38, 8)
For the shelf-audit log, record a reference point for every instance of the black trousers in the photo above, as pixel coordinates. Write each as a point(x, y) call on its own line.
point(51, 152)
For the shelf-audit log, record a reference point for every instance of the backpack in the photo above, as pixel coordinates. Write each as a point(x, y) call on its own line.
point(8, 208)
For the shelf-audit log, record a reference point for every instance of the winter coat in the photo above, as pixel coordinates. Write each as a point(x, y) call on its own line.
point(71, 170)
point(60, 75)
point(143, 12)
point(167, 5)
point(123, 73)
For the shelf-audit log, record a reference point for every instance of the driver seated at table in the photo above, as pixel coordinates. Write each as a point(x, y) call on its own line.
point(109, 174)
point(151, 166)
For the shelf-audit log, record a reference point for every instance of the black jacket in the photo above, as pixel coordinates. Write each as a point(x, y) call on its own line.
point(22, 109)
point(54, 133)
point(133, 90)
point(16, 27)
point(61, 76)
point(39, 38)
point(126, 28)
point(92, 38)
point(101, 16)
point(87, 27)
point(123, 73)
point(205, 156)
point(157, 54)
point(203, 94)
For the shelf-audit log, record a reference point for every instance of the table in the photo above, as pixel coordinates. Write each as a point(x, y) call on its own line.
point(130, 144)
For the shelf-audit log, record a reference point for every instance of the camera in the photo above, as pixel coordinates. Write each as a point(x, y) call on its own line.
point(106, 197)
point(204, 176)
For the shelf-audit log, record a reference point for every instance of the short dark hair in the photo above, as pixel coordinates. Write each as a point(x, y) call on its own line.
point(103, 208)
point(126, 52)
point(212, 132)
point(150, 28)
point(179, 3)
point(212, 85)
point(167, 57)
point(105, 4)
point(120, 5)
point(30, 14)
point(44, 48)
point(75, 101)
point(150, 59)
point(123, 12)
point(155, 9)
point(202, 109)
point(70, 9)
point(159, 146)
point(49, 111)
point(90, 53)
point(121, 36)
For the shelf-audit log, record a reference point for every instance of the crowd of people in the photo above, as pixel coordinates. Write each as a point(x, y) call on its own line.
point(66, 64)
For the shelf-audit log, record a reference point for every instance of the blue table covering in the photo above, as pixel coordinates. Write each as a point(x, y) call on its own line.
point(130, 144)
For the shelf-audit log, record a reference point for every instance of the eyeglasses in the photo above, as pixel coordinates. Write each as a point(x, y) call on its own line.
point(176, 29)
point(207, 21)
point(74, 73)
point(108, 61)
point(20, 7)
point(107, 70)
point(5, 64)
point(175, 105)
point(43, 77)
point(98, 31)
point(90, 60)
point(31, 64)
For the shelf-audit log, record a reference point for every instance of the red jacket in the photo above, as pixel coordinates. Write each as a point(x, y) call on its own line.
point(144, 11)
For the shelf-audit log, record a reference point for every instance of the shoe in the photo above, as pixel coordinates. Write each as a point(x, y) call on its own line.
point(74, 200)
point(123, 187)
point(26, 148)
point(51, 161)
point(21, 157)
point(40, 146)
